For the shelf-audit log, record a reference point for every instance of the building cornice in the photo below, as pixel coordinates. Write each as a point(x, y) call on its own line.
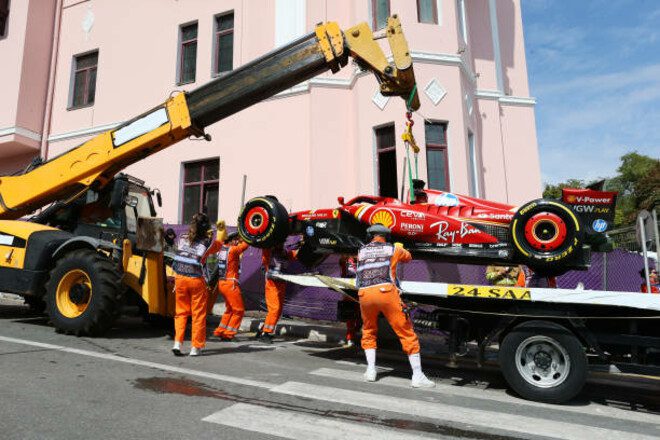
point(20, 131)
point(82, 132)
point(505, 99)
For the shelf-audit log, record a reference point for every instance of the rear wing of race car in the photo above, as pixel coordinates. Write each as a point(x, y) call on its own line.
point(594, 208)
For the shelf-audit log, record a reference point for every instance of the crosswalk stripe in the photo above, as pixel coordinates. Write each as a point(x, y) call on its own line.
point(452, 414)
point(493, 395)
point(293, 425)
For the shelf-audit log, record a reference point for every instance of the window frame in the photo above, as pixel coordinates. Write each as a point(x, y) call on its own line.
point(4, 17)
point(374, 14)
point(182, 43)
point(434, 4)
point(74, 71)
point(443, 148)
point(386, 149)
point(202, 183)
point(217, 33)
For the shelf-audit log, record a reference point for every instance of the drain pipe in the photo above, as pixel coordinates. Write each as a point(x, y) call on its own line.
point(48, 111)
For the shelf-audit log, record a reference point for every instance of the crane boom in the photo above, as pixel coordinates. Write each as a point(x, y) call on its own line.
point(97, 161)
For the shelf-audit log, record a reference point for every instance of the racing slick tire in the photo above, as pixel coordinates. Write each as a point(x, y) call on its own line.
point(263, 222)
point(84, 293)
point(546, 235)
point(543, 361)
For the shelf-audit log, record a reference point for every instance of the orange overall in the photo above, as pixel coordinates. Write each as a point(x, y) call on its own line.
point(383, 297)
point(274, 290)
point(229, 261)
point(190, 292)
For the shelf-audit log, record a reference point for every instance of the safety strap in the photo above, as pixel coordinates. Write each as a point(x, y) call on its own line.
point(410, 143)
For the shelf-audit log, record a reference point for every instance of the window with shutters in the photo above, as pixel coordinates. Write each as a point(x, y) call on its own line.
point(386, 156)
point(224, 43)
point(4, 15)
point(437, 162)
point(84, 80)
point(200, 189)
point(380, 10)
point(427, 11)
point(187, 53)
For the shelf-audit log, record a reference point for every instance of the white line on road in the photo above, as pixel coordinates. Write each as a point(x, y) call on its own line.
point(452, 414)
point(127, 360)
point(363, 365)
point(292, 425)
point(492, 395)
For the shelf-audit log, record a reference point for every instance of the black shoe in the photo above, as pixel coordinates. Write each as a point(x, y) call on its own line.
point(257, 335)
point(177, 352)
point(266, 338)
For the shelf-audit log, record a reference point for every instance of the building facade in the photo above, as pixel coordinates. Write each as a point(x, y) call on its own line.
point(81, 67)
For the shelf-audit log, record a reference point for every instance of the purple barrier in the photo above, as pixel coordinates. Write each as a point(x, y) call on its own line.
point(620, 270)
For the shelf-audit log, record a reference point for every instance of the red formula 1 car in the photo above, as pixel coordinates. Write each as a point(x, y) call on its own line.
point(549, 236)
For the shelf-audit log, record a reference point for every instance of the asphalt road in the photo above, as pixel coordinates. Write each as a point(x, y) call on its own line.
point(128, 385)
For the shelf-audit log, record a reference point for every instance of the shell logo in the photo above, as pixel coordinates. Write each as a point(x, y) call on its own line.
point(384, 217)
point(571, 199)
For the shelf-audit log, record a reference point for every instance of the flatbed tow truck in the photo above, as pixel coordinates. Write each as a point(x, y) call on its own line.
point(547, 339)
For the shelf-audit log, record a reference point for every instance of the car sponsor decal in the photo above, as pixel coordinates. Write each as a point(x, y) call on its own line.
point(383, 216)
point(335, 213)
point(591, 208)
point(495, 216)
point(413, 215)
point(599, 225)
point(589, 200)
point(411, 227)
point(446, 199)
point(447, 235)
point(489, 292)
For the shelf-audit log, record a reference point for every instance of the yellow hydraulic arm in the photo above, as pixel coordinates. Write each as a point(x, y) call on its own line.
point(187, 114)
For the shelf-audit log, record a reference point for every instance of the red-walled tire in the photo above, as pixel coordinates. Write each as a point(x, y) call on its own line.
point(546, 235)
point(263, 222)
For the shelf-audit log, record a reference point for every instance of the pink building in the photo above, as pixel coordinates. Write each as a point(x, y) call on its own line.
point(75, 68)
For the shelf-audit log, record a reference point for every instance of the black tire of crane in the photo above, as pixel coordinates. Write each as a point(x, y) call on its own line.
point(576, 376)
point(106, 298)
point(552, 263)
point(277, 229)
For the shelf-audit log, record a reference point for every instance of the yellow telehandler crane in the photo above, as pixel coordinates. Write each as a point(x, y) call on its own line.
point(94, 244)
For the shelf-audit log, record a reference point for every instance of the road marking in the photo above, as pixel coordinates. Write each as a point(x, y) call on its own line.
point(293, 425)
point(493, 395)
point(139, 362)
point(452, 414)
point(362, 365)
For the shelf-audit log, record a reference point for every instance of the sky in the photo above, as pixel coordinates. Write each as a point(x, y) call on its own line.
point(594, 69)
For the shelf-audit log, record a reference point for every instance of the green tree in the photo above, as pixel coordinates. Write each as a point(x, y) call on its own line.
point(637, 182)
point(554, 191)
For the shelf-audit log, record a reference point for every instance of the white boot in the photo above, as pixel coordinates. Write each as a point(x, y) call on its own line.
point(195, 351)
point(419, 379)
point(370, 374)
point(176, 348)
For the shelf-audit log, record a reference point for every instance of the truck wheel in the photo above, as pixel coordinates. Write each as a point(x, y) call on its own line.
point(83, 293)
point(543, 361)
point(263, 222)
point(546, 234)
